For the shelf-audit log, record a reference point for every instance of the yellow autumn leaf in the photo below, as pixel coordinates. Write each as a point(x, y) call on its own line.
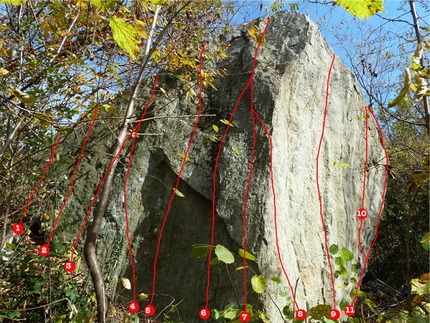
point(403, 92)
point(227, 122)
point(159, 2)
point(14, 2)
point(362, 8)
point(142, 296)
point(182, 156)
point(23, 97)
point(140, 28)
point(3, 71)
point(125, 35)
point(82, 4)
point(215, 128)
point(126, 283)
point(252, 31)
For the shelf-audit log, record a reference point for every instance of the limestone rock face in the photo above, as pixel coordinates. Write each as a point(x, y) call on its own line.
point(289, 96)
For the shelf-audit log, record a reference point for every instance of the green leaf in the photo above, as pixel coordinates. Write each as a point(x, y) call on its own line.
point(13, 314)
point(215, 128)
point(286, 310)
point(371, 305)
point(108, 108)
point(362, 8)
point(248, 255)
point(14, 2)
point(224, 254)
point(10, 246)
point(339, 261)
point(346, 254)
point(403, 92)
point(344, 272)
point(258, 283)
point(425, 241)
point(178, 192)
point(200, 251)
point(262, 316)
point(216, 261)
point(334, 249)
point(237, 150)
point(343, 303)
point(125, 36)
point(276, 279)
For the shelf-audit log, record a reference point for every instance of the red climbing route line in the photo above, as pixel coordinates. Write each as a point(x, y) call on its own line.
point(215, 171)
point(180, 172)
point(40, 180)
point(318, 186)
point(275, 220)
point(94, 198)
point(363, 192)
point(381, 207)
point(248, 185)
point(134, 134)
point(73, 176)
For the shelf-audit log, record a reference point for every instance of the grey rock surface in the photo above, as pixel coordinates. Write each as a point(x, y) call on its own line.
point(289, 96)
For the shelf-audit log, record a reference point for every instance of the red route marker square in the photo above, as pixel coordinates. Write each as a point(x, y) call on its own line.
point(149, 310)
point(301, 314)
point(69, 266)
point(204, 313)
point(18, 228)
point(334, 314)
point(44, 250)
point(244, 316)
point(133, 307)
point(349, 310)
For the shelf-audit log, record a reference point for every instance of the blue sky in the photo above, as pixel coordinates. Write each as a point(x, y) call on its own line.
point(335, 22)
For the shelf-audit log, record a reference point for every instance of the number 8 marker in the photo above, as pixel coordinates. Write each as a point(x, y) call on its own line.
point(301, 315)
point(204, 313)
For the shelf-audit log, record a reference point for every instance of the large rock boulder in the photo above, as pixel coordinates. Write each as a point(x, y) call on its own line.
point(289, 96)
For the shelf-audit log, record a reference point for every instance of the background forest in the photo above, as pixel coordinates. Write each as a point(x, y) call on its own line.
point(60, 60)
